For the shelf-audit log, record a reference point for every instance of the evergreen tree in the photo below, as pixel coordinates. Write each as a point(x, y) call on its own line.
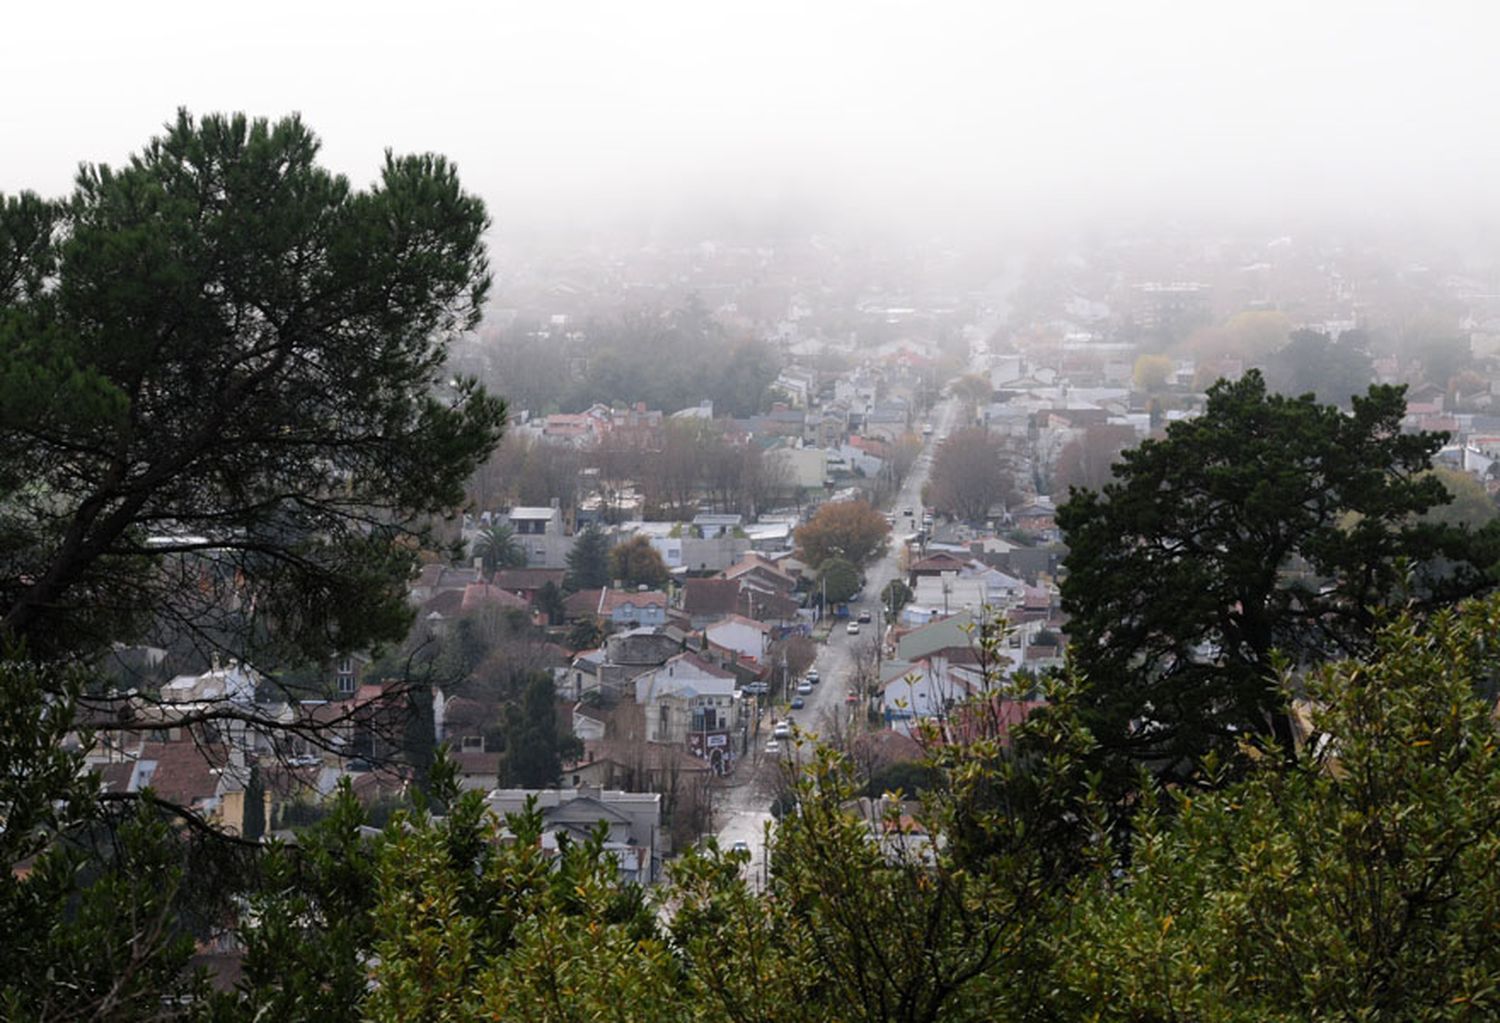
point(549, 601)
point(588, 561)
point(419, 737)
point(223, 356)
point(1267, 524)
point(498, 547)
point(534, 742)
point(255, 806)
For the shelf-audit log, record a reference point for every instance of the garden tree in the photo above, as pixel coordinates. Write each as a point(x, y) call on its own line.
point(586, 634)
point(838, 580)
point(971, 473)
point(1252, 336)
point(1444, 358)
point(588, 561)
point(1151, 372)
point(222, 388)
point(636, 563)
point(1469, 502)
point(895, 596)
point(798, 653)
point(1268, 523)
point(535, 742)
point(850, 530)
point(740, 387)
point(419, 738)
point(550, 602)
point(1358, 884)
point(1088, 462)
point(255, 806)
point(904, 452)
point(1333, 371)
point(972, 389)
point(498, 547)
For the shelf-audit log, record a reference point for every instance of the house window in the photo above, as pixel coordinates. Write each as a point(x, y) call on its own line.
point(346, 684)
point(473, 744)
point(346, 666)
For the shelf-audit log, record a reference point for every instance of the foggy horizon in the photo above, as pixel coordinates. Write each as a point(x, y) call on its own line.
point(965, 118)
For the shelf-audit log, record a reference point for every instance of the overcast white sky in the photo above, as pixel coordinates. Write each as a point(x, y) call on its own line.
point(558, 109)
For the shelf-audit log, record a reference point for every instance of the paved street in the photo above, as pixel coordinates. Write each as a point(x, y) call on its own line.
point(744, 810)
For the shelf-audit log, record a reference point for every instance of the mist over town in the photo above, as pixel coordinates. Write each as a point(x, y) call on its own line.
point(681, 511)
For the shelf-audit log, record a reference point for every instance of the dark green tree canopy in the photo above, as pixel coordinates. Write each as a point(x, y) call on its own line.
point(498, 547)
point(1312, 362)
point(588, 561)
point(1269, 523)
point(535, 741)
point(222, 387)
point(838, 579)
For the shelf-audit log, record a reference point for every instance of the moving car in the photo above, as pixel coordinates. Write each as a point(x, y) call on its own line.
point(852, 628)
point(864, 615)
point(740, 846)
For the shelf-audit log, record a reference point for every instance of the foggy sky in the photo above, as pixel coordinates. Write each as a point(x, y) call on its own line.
point(561, 111)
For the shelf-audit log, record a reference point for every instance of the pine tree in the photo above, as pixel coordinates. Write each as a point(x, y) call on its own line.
point(588, 561)
point(255, 806)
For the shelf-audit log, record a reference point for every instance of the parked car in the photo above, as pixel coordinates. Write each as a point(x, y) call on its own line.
point(773, 746)
point(804, 687)
point(783, 730)
point(798, 703)
point(813, 676)
point(852, 628)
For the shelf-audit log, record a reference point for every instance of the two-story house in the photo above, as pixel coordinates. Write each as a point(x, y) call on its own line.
point(689, 702)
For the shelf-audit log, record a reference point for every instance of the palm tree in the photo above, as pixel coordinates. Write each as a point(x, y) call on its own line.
point(499, 548)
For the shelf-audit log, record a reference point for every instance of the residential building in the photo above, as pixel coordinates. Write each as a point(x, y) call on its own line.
point(632, 821)
point(689, 702)
point(740, 636)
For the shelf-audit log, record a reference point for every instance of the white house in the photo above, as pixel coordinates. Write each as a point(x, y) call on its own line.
point(539, 532)
point(929, 688)
point(938, 596)
point(632, 820)
point(744, 636)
